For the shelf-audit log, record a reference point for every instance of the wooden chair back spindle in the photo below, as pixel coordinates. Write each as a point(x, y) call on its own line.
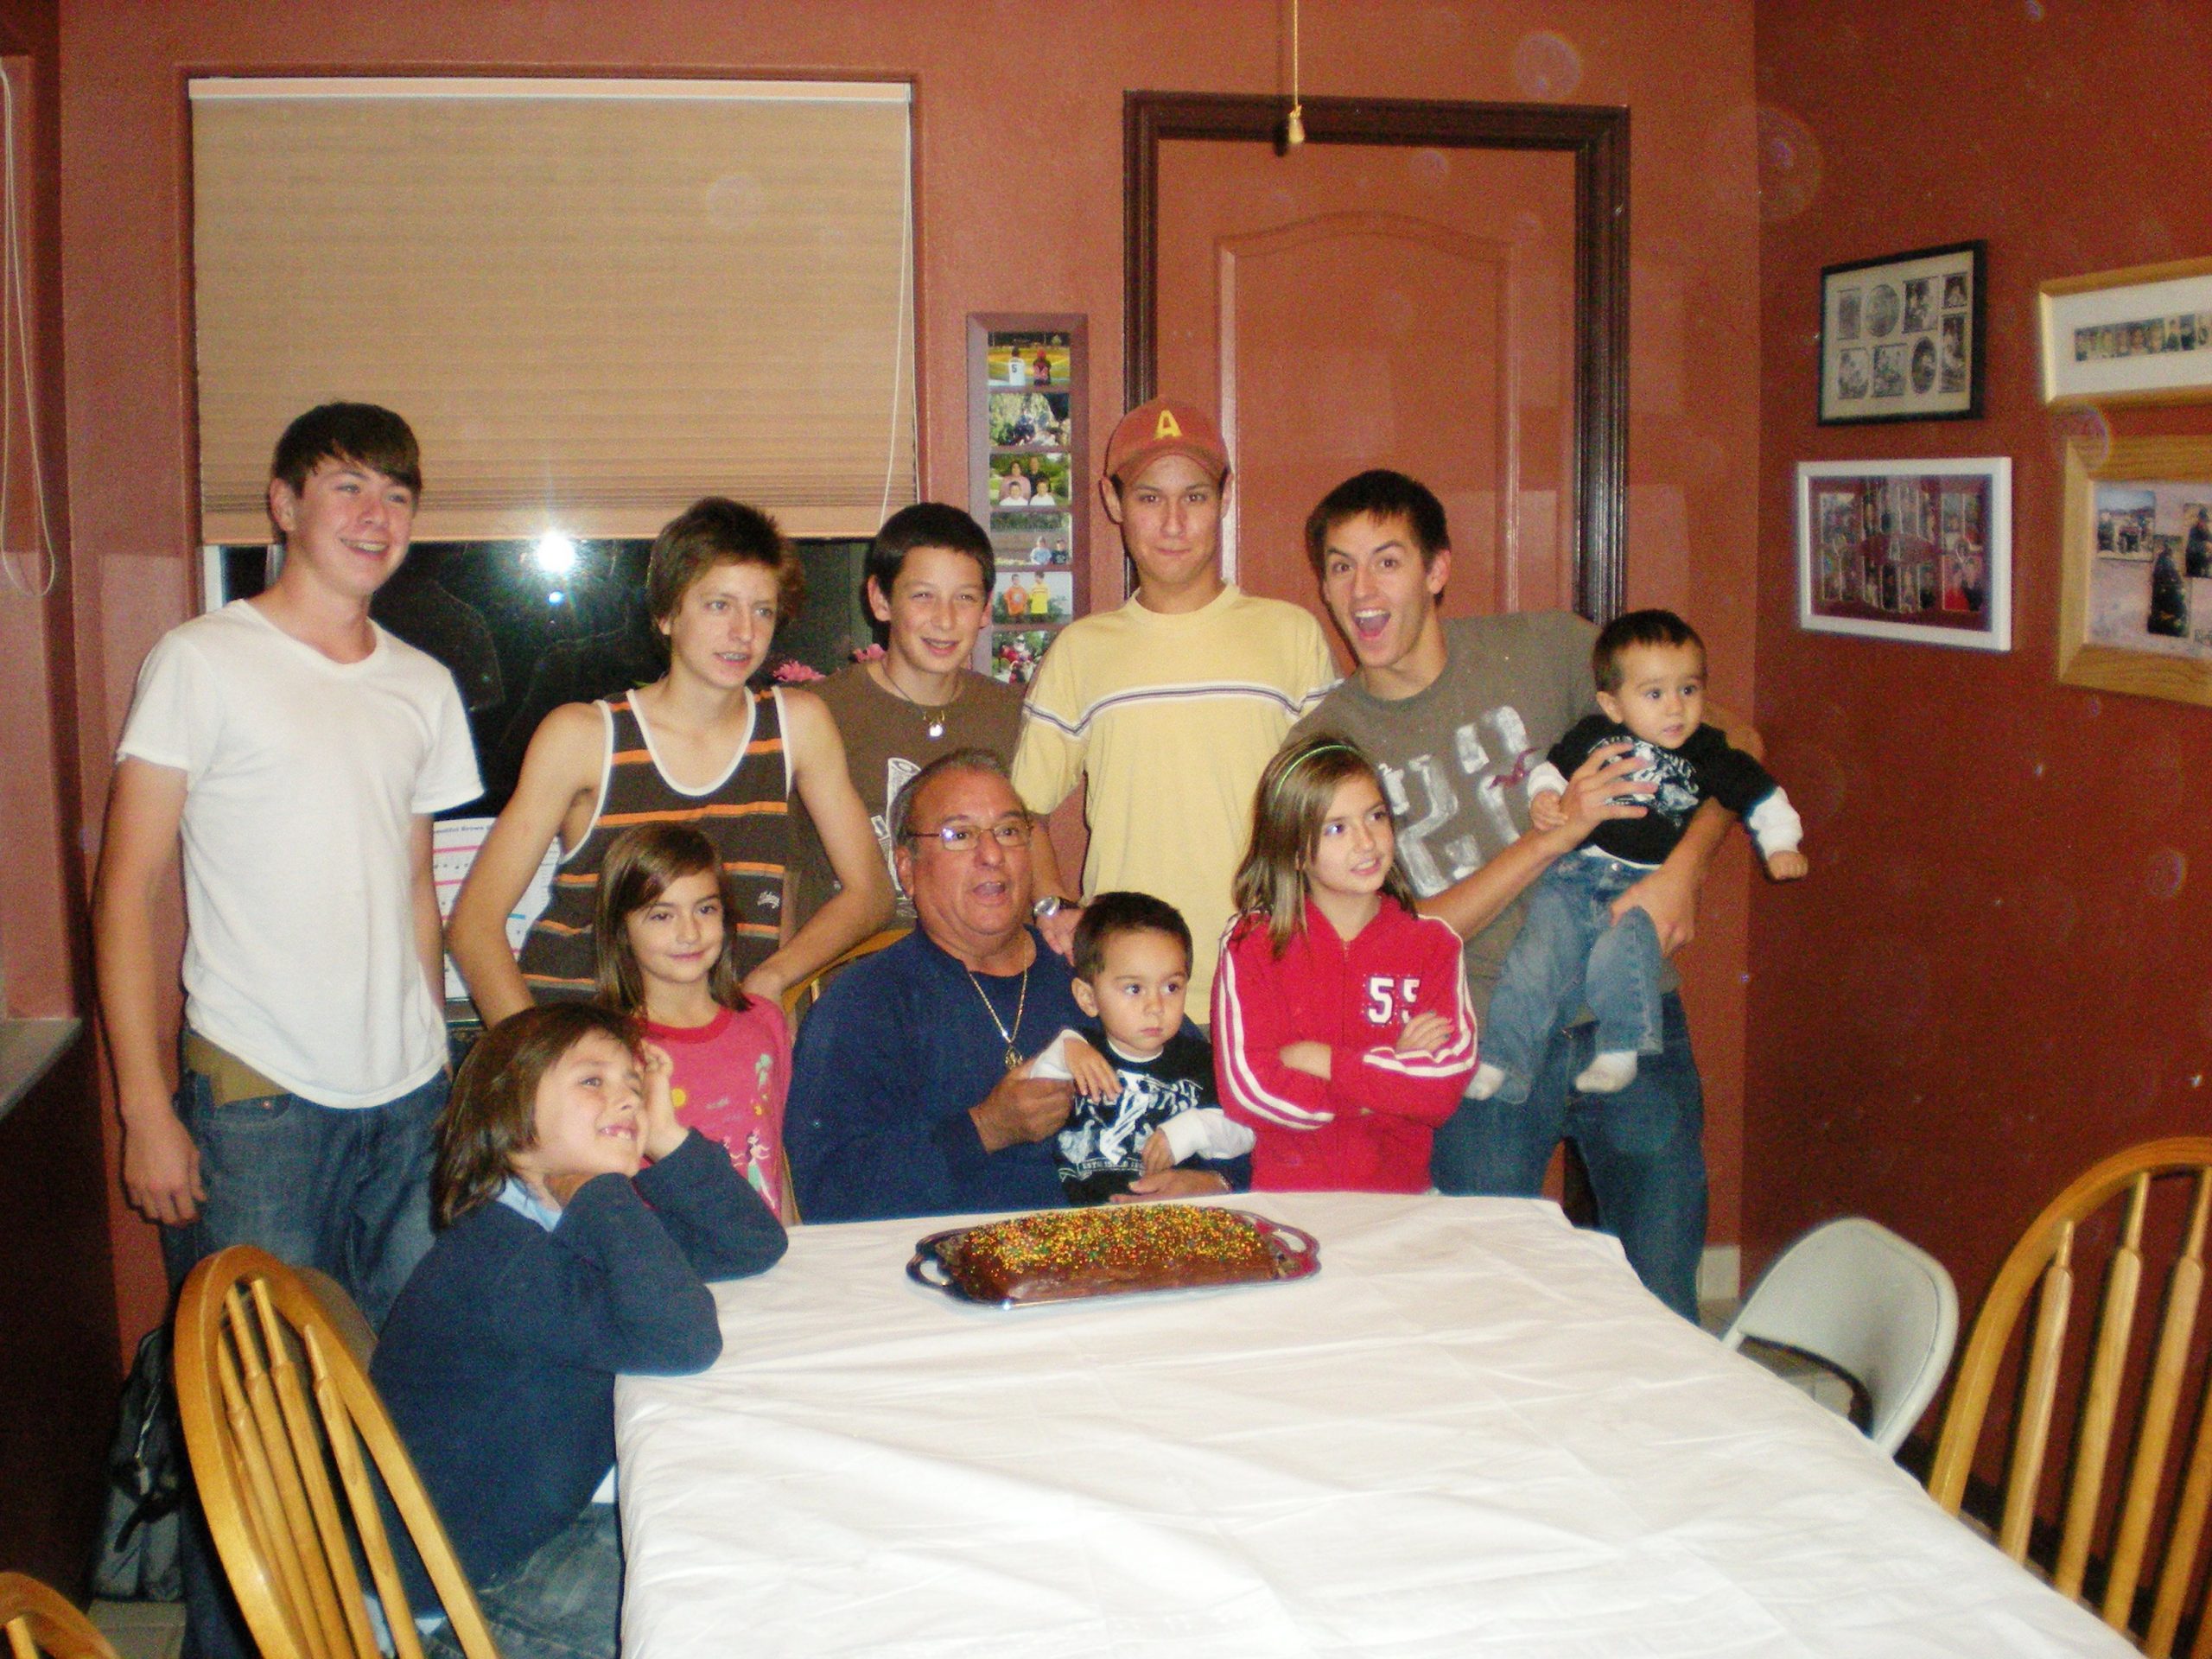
point(38, 1622)
point(275, 1401)
point(2114, 1409)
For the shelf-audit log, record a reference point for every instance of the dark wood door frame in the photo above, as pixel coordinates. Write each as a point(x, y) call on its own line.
point(1598, 139)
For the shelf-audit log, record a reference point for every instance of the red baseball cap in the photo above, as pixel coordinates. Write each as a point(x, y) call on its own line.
point(1165, 427)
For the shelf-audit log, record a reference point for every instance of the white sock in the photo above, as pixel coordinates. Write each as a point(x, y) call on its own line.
point(1609, 1073)
point(1488, 1081)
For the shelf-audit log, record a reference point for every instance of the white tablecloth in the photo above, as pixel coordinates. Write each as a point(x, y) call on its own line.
point(1471, 1432)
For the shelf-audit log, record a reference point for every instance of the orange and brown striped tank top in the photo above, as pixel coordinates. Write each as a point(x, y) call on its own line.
point(743, 813)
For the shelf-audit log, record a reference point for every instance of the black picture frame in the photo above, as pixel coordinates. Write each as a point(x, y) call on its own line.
point(1901, 337)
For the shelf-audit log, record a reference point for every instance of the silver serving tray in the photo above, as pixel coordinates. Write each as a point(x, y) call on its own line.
point(1296, 1253)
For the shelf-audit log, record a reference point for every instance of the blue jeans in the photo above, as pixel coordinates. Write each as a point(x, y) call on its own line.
point(1644, 1148)
point(1571, 952)
point(343, 1190)
point(564, 1601)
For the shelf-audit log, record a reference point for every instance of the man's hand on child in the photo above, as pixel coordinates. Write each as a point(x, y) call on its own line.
point(663, 1133)
point(1312, 1058)
point(1020, 1110)
point(1545, 812)
point(1094, 1074)
point(1787, 867)
point(1602, 788)
point(1158, 1156)
point(1423, 1034)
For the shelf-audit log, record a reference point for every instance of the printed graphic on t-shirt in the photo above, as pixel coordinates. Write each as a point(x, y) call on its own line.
point(1110, 1134)
point(1493, 754)
point(1391, 999)
point(897, 770)
point(745, 1127)
point(1676, 780)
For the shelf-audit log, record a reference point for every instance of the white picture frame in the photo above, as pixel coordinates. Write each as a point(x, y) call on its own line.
point(1916, 551)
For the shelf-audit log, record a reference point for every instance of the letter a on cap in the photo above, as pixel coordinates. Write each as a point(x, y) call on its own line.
point(1165, 427)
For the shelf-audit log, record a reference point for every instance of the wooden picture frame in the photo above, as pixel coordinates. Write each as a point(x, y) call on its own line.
point(1901, 336)
point(2138, 335)
point(2137, 521)
point(1913, 550)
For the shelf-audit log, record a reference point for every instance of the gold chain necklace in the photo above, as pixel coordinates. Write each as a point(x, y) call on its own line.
point(1021, 1001)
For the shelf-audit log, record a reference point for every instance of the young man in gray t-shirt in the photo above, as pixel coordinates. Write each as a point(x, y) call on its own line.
point(1455, 715)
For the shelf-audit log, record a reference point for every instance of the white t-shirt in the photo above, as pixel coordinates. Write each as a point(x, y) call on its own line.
point(303, 778)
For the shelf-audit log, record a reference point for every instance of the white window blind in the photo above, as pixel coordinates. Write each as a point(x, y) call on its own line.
point(594, 300)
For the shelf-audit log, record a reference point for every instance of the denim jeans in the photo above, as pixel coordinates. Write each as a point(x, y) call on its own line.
point(344, 1189)
point(1571, 952)
point(1643, 1146)
point(564, 1601)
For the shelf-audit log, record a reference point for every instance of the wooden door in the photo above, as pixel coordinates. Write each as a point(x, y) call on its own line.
point(1455, 309)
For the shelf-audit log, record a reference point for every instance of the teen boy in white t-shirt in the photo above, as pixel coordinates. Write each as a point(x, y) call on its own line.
point(296, 752)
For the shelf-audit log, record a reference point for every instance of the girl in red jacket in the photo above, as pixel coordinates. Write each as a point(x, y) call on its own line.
point(1342, 1030)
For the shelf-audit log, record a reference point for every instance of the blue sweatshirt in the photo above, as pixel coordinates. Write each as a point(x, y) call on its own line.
point(888, 1062)
point(497, 1362)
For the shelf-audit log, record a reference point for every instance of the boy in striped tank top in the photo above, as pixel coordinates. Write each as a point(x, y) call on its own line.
point(698, 746)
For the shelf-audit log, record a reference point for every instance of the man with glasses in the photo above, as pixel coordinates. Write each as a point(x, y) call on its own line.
point(910, 1093)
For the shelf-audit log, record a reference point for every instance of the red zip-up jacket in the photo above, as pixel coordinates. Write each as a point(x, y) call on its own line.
point(1367, 1128)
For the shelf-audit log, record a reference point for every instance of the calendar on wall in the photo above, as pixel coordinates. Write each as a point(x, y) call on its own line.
point(1028, 483)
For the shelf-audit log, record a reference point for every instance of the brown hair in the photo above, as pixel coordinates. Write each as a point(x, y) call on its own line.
point(494, 1112)
point(365, 434)
point(1380, 494)
point(1288, 810)
point(718, 531)
point(643, 863)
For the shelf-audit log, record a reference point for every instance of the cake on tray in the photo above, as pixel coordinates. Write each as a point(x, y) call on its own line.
point(1055, 1255)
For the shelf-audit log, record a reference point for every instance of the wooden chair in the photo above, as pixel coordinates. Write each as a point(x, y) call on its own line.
point(40, 1622)
point(279, 1416)
point(2045, 1257)
point(802, 997)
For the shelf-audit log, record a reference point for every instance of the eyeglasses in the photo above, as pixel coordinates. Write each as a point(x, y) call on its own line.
point(956, 838)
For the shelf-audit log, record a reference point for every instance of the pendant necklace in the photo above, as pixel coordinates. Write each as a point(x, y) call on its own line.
point(934, 716)
point(1021, 1001)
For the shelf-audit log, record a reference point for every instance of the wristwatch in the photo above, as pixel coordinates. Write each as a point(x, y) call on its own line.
point(1048, 906)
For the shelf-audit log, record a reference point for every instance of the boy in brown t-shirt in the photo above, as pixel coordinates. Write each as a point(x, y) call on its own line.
point(929, 576)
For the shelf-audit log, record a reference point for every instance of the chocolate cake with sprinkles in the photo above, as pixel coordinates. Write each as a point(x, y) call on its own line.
point(1054, 1254)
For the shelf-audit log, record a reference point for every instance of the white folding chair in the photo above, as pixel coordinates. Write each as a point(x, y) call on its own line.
point(1884, 1311)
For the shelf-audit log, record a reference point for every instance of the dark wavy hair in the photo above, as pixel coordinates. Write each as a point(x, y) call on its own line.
point(1110, 915)
point(644, 862)
point(494, 1112)
point(365, 434)
point(1288, 810)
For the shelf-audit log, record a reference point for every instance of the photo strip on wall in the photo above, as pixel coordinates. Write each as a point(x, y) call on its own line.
point(1028, 480)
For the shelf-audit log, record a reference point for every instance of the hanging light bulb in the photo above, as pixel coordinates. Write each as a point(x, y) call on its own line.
point(1293, 128)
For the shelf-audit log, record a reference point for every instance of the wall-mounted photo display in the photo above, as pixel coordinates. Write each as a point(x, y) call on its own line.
point(1029, 420)
point(1901, 337)
point(2135, 599)
point(1043, 357)
point(2141, 336)
point(1030, 483)
point(1048, 546)
point(1015, 653)
point(1917, 550)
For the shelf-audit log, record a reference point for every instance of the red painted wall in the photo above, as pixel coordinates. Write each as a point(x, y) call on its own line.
point(2000, 970)
point(1005, 92)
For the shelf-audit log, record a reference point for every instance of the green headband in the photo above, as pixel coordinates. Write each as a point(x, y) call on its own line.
point(1283, 776)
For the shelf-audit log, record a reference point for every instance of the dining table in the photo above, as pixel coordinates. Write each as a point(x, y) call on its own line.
point(1470, 1432)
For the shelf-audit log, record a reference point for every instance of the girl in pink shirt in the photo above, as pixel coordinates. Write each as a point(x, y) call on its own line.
point(664, 955)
